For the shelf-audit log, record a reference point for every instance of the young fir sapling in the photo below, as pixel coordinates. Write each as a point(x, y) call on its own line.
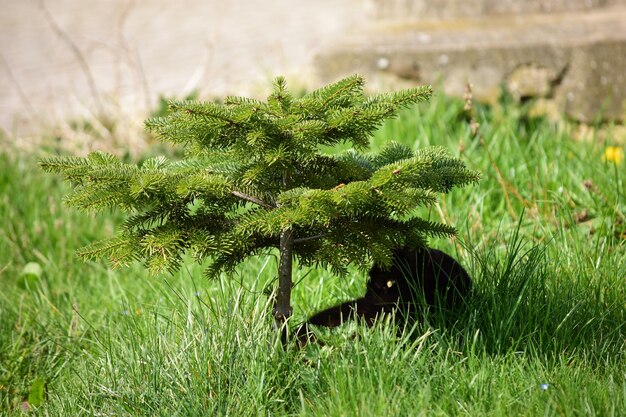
point(254, 179)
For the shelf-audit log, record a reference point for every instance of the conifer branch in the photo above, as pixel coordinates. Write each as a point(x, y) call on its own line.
point(252, 199)
point(309, 238)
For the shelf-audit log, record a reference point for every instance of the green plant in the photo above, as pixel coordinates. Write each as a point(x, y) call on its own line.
point(254, 178)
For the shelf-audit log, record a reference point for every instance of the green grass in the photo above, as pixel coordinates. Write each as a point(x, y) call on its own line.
point(543, 235)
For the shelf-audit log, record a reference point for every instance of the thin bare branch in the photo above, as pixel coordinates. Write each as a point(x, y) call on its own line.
point(252, 199)
point(306, 239)
point(23, 97)
point(77, 53)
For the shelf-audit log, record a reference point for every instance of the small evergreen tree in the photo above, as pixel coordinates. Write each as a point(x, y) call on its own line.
point(254, 179)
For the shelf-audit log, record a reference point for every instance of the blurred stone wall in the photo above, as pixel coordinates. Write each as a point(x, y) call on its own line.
point(570, 53)
point(446, 9)
point(68, 59)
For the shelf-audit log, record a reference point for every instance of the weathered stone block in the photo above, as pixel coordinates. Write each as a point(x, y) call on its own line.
point(576, 59)
point(451, 9)
point(595, 85)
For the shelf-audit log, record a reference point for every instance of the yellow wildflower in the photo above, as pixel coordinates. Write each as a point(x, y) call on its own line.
point(613, 154)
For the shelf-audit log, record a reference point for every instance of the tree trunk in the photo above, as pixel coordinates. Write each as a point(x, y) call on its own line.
point(282, 308)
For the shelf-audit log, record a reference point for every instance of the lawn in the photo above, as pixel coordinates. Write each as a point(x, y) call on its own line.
point(543, 235)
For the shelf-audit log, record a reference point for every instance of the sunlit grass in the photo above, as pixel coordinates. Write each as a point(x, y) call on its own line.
point(543, 235)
